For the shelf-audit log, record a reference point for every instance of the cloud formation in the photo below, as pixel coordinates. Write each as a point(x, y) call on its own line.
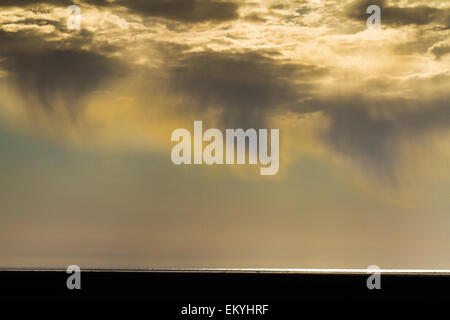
point(397, 16)
point(26, 3)
point(44, 71)
point(189, 11)
point(440, 49)
point(245, 86)
point(374, 90)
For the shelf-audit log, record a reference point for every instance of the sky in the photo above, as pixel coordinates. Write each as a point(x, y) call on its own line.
point(86, 118)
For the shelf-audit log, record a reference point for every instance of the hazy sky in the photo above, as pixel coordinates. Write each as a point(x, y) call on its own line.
point(86, 117)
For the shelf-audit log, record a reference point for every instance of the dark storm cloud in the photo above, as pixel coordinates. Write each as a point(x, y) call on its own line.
point(187, 11)
point(397, 16)
point(66, 74)
point(246, 85)
point(11, 42)
point(48, 73)
point(356, 133)
point(184, 10)
point(26, 3)
point(250, 85)
point(365, 128)
point(360, 129)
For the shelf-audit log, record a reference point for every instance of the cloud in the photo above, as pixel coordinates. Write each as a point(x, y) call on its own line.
point(188, 11)
point(356, 134)
point(246, 73)
point(49, 73)
point(246, 86)
point(397, 16)
point(26, 3)
point(440, 49)
point(370, 130)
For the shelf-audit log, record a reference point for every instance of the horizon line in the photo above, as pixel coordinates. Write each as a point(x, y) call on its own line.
point(243, 270)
